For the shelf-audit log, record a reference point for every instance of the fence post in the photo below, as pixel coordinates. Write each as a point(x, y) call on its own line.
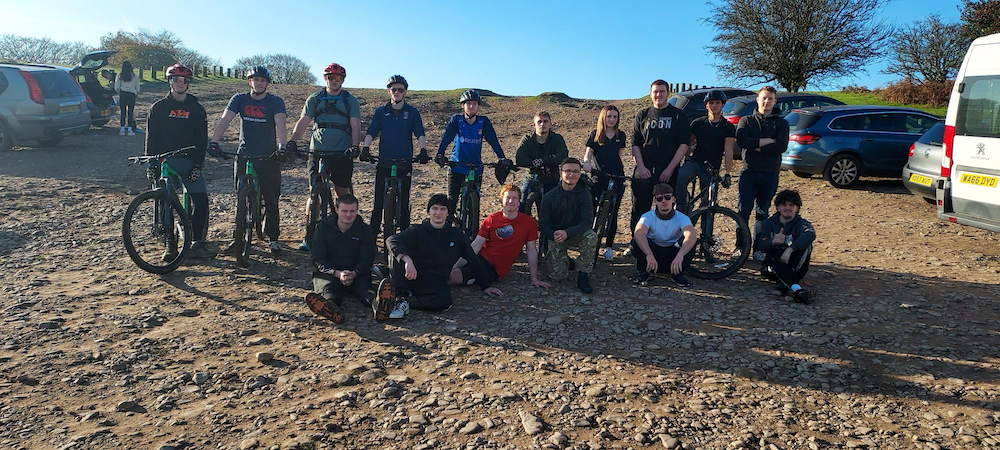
point(204, 71)
point(152, 72)
point(140, 72)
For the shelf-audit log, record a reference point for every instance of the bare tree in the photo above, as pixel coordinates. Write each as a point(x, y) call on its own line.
point(929, 50)
point(284, 68)
point(41, 50)
point(147, 48)
point(795, 42)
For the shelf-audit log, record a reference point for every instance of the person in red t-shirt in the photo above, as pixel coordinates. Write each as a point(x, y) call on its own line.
point(501, 237)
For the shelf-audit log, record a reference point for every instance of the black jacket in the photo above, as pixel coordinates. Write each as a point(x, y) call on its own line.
point(748, 134)
point(552, 152)
point(799, 234)
point(353, 249)
point(572, 211)
point(172, 125)
point(435, 251)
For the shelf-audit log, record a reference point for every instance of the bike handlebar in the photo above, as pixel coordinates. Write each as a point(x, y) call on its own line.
point(478, 165)
point(161, 156)
point(376, 159)
point(601, 173)
point(256, 158)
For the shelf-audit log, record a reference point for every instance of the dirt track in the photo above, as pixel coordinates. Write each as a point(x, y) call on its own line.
point(901, 349)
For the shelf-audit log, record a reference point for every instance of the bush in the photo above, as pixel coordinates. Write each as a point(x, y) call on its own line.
point(855, 89)
point(908, 91)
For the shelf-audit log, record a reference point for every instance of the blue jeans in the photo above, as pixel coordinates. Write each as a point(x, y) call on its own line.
point(534, 184)
point(691, 170)
point(760, 187)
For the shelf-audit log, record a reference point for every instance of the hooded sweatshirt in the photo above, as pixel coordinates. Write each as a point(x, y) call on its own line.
point(571, 210)
point(434, 251)
point(799, 234)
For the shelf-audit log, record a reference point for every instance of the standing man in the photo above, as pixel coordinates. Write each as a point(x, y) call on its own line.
point(541, 150)
point(343, 252)
point(262, 134)
point(663, 239)
point(786, 240)
point(399, 123)
point(501, 237)
point(565, 219)
point(421, 259)
point(763, 136)
point(178, 121)
point(712, 137)
point(659, 142)
point(338, 132)
point(467, 131)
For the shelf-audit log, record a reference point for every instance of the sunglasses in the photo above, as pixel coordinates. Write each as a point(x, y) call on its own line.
point(184, 80)
point(335, 77)
point(663, 197)
point(396, 89)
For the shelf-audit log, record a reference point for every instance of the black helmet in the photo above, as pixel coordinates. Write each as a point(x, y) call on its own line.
point(716, 94)
point(397, 79)
point(259, 71)
point(470, 95)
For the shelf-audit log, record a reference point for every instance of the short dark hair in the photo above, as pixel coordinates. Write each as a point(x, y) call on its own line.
point(570, 160)
point(661, 83)
point(544, 114)
point(345, 199)
point(663, 188)
point(788, 196)
point(768, 88)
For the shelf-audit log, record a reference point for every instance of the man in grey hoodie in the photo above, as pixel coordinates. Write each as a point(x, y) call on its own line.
point(566, 219)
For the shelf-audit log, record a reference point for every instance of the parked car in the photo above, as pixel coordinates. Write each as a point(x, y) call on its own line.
point(692, 102)
point(923, 170)
point(845, 143)
point(39, 103)
point(745, 105)
point(101, 100)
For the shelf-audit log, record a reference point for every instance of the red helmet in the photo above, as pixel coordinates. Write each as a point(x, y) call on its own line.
point(335, 69)
point(179, 70)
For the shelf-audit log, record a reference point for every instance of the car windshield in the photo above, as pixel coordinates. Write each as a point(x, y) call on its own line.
point(678, 101)
point(800, 120)
point(933, 136)
point(733, 107)
point(56, 84)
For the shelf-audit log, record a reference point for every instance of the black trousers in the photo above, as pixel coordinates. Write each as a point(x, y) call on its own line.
point(786, 274)
point(664, 256)
point(596, 189)
point(127, 109)
point(332, 289)
point(642, 193)
point(404, 174)
point(199, 218)
point(455, 182)
point(427, 292)
point(269, 173)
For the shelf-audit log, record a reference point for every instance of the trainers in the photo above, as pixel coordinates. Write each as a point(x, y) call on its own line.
point(318, 305)
point(680, 280)
point(803, 296)
point(169, 255)
point(121, 131)
point(583, 282)
point(608, 254)
point(200, 251)
point(627, 252)
point(304, 246)
point(383, 300)
point(400, 310)
point(380, 271)
point(137, 129)
point(130, 133)
point(758, 256)
point(641, 278)
point(230, 248)
point(275, 248)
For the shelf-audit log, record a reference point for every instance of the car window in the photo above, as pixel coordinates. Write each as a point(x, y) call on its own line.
point(3, 83)
point(934, 136)
point(979, 107)
point(855, 122)
point(821, 103)
point(916, 123)
point(883, 122)
point(801, 120)
point(56, 84)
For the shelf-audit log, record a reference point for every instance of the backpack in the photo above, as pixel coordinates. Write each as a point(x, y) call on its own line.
point(328, 104)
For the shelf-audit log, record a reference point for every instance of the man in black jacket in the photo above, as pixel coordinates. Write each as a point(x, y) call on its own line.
point(541, 150)
point(343, 250)
point(786, 240)
point(420, 261)
point(565, 219)
point(763, 136)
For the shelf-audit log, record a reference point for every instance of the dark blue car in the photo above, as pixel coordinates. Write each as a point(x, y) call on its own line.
point(845, 143)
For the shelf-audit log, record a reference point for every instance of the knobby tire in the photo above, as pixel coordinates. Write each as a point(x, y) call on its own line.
point(718, 230)
point(152, 203)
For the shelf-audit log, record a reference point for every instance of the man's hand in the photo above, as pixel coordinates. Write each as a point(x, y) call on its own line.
point(651, 264)
point(423, 157)
point(279, 155)
point(587, 166)
point(292, 147)
point(665, 175)
point(493, 291)
point(440, 159)
point(194, 174)
point(352, 152)
point(766, 141)
point(727, 181)
point(539, 283)
point(779, 238)
point(366, 154)
point(347, 277)
point(559, 236)
point(677, 264)
point(536, 163)
point(214, 150)
point(787, 255)
point(409, 271)
point(642, 172)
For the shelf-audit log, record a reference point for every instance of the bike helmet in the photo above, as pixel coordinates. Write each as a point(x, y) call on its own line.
point(470, 95)
point(179, 70)
point(334, 69)
point(259, 71)
point(716, 94)
point(397, 79)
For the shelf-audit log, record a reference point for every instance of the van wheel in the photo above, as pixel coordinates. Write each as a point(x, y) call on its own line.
point(802, 174)
point(6, 137)
point(51, 142)
point(842, 171)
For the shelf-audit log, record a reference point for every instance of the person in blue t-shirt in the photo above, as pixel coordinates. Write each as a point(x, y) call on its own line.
point(399, 123)
point(262, 134)
point(467, 131)
point(663, 240)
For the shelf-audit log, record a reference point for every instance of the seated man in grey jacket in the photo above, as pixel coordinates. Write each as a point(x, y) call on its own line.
point(566, 219)
point(343, 250)
point(786, 240)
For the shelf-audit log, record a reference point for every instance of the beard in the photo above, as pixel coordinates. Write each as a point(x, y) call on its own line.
point(665, 216)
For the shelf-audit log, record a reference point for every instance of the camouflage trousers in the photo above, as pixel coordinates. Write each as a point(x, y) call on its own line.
point(557, 260)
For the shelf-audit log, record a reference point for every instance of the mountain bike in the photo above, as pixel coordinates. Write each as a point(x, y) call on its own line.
point(249, 208)
point(391, 205)
point(607, 207)
point(724, 240)
point(320, 195)
point(467, 215)
point(156, 229)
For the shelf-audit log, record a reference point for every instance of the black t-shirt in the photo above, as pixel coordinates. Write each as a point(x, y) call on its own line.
point(710, 144)
point(608, 158)
point(658, 133)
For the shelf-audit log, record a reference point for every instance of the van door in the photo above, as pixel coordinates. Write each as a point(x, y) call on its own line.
point(976, 152)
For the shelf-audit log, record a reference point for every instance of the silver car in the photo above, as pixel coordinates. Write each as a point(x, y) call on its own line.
point(923, 169)
point(39, 103)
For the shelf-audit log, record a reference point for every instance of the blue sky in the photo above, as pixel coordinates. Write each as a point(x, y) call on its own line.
point(587, 49)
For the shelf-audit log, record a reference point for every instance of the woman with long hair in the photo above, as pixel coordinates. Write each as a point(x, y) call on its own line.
point(605, 145)
point(127, 87)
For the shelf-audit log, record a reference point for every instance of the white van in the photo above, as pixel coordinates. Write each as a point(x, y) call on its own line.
point(970, 164)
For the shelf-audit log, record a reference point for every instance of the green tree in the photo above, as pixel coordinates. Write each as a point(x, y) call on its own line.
point(929, 50)
point(980, 18)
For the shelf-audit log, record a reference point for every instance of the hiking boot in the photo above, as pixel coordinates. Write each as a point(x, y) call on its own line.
point(641, 278)
point(383, 300)
point(803, 296)
point(304, 246)
point(200, 251)
point(320, 306)
point(400, 310)
point(275, 248)
point(608, 254)
point(680, 280)
point(583, 282)
point(230, 248)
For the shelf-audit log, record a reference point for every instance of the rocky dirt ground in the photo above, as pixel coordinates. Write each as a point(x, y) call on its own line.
point(900, 351)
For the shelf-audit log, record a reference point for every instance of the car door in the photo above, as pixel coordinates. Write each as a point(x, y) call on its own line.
point(885, 145)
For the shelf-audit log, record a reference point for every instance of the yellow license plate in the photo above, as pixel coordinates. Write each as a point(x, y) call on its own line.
point(920, 179)
point(978, 180)
point(68, 109)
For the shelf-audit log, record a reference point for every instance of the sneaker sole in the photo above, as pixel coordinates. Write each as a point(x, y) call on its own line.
point(383, 300)
point(317, 304)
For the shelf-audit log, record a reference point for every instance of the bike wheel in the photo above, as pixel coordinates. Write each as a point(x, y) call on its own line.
point(470, 217)
point(389, 213)
point(534, 205)
point(601, 223)
point(245, 227)
point(716, 254)
point(156, 232)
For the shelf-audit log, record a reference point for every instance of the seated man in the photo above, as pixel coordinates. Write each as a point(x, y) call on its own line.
point(663, 239)
point(786, 241)
point(501, 237)
point(432, 248)
point(565, 219)
point(343, 250)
